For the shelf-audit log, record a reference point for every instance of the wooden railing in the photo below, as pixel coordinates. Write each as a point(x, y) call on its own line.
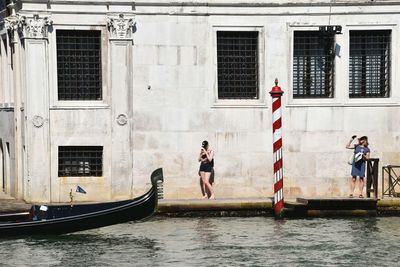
point(372, 176)
point(393, 173)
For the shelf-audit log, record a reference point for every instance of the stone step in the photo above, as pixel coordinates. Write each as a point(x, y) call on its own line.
point(5, 196)
point(9, 204)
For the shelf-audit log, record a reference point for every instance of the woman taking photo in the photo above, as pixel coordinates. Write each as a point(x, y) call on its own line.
point(361, 153)
point(206, 159)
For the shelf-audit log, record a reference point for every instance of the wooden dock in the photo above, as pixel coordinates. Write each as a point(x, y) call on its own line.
point(328, 207)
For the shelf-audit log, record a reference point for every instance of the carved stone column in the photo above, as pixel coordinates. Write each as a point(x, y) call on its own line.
point(34, 32)
point(121, 28)
point(12, 25)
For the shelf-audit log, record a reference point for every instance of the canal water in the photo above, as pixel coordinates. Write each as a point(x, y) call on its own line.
point(251, 241)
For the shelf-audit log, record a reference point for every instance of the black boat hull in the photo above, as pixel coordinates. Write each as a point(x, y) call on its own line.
point(66, 218)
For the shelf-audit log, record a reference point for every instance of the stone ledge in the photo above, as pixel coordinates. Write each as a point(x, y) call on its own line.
point(13, 206)
point(389, 202)
point(217, 207)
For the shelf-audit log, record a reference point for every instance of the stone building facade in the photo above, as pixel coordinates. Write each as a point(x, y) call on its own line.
point(100, 93)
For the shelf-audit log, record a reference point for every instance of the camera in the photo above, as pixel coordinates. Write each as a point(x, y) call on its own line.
point(204, 144)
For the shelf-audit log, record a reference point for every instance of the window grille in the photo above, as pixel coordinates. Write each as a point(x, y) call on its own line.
point(313, 64)
point(369, 70)
point(79, 65)
point(80, 161)
point(237, 54)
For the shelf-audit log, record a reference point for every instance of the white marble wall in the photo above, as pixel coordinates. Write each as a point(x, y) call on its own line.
point(169, 96)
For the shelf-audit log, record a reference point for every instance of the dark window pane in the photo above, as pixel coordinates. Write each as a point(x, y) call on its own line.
point(3, 4)
point(313, 64)
point(80, 161)
point(79, 65)
point(369, 66)
point(237, 54)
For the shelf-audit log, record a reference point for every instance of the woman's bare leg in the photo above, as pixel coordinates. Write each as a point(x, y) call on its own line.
point(361, 185)
point(353, 185)
point(206, 181)
point(202, 175)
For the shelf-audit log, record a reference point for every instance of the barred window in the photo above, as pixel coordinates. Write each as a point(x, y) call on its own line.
point(80, 161)
point(79, 65)
point(237, 54)
point(369, 70)
point(313, 64)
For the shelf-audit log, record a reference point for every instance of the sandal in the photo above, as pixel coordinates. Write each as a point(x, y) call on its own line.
point(361, 196)
point(205, 197)
point(351, 196)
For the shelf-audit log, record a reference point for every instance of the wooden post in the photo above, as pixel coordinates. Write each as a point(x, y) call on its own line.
point(372, 176)
point(276, 94)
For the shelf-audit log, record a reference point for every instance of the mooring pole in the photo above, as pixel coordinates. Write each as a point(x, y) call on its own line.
point(276, 94)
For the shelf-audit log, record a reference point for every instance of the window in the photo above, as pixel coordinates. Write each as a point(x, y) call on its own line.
point(237, 59)
point(79, 65)
point(313, 64)
point(80, 161)
point(369, 70)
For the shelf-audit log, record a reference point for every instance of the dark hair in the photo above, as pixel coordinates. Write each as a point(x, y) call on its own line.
point(364, 138)
point(204, 144)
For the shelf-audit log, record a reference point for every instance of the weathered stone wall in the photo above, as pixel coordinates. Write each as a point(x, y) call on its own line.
point(173, 105)
point(180, 110)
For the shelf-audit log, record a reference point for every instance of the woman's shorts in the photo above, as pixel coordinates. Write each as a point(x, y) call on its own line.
point(206, 167)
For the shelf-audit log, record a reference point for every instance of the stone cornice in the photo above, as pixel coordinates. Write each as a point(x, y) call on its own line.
point(222, 3)
point(265, 3)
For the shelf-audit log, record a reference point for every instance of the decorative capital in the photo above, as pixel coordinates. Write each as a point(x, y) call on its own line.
point(120, 27)
point(35, 27)
point(13, 24)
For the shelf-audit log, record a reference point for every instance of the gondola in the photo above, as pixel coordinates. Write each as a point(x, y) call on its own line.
point(61, 219)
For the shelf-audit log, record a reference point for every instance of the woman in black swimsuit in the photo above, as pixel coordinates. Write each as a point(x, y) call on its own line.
point(206, 159)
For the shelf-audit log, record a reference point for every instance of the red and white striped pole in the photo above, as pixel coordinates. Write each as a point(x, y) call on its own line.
point(276, 94)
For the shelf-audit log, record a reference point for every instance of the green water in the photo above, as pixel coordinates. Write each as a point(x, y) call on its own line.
point(253, 241)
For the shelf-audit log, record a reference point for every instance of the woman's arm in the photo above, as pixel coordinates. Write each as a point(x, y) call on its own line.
point(210, 155)
point(366, 156)
point(201, 154)
point(349, 145)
